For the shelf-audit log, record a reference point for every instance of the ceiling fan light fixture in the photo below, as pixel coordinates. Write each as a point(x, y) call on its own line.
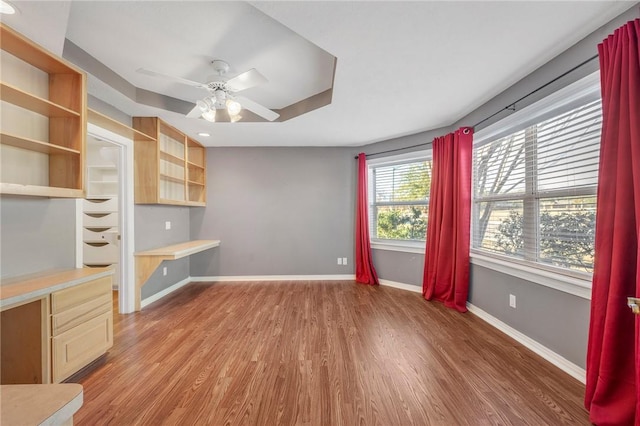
point(234, 118)
point(233, 107)
point(7, 8)
point(202, 105)
point(210, 115)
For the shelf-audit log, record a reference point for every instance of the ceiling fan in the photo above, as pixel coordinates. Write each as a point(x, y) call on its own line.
point(222, 93)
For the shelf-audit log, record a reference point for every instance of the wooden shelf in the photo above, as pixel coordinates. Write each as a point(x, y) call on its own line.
point(33, 103)
point(195, 165)
point(154, 181)
point(23, 48)
point(171, 178)
point(40, 191)
point(108, 123)
point(171, 158)
point(48, 118)
point(34, 145)
point(192, 182)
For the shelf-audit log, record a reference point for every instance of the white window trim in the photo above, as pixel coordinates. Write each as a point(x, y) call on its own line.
point(568, 97)
point(408, 246)
point(399, 245)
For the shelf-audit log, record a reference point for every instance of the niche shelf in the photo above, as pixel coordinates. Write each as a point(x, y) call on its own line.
point(42, 141)
point(170, 168)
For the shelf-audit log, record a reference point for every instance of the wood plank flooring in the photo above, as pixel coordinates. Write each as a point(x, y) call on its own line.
point(318, 353)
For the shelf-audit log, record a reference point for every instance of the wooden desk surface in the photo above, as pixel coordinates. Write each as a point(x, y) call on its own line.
point(177, 251)
point(39, 404)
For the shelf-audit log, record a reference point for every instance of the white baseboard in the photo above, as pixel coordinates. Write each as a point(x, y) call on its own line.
point(274, 278)
point(159, 295)
point(402, 286)
point(559, 361)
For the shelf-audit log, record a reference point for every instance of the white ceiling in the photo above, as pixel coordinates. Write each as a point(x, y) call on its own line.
point(402, 67)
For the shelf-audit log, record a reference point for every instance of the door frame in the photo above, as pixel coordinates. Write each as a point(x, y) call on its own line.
point(127, 286)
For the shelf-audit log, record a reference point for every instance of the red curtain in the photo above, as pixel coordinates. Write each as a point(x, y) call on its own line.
point(612, 394)
point(446, 261)
point(365, 272)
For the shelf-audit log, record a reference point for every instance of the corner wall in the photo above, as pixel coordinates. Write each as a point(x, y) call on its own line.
point(277, 211)
point(553, 318)
point(150, 233)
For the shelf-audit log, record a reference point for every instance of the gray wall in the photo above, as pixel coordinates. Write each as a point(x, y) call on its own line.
point(277, 211)
point(558, 320)
point(150, 233)
point(36, 234)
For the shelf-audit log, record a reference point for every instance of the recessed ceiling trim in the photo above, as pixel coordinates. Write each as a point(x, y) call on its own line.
point(91, 65)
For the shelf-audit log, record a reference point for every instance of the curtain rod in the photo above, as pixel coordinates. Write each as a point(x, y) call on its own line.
point(510, 107)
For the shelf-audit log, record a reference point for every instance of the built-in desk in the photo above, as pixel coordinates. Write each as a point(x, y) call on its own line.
point(148, 261)
point(54, 323)
point(39, 404)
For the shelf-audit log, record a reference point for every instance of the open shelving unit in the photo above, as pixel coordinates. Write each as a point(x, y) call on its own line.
point(170, 168)
point(42, 140)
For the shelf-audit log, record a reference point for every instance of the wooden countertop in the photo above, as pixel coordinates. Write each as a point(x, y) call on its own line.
point(27, 287)
point(39, 404)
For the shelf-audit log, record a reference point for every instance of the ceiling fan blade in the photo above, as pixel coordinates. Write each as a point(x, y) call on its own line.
point(256, 108)
point(170, 77)
point(246, 80)
point(195, 112)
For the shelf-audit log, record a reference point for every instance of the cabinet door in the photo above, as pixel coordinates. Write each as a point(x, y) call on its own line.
point(77, 347)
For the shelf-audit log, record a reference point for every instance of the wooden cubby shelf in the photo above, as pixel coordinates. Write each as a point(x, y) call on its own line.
point(171, 178)
point(171, 168)
point(44, 120)
point(16, 96)
point(171, 158)
point(35, 145)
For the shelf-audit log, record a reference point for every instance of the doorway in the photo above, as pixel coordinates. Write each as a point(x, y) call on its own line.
point(105, 220)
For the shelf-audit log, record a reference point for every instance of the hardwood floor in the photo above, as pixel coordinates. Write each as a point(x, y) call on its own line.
point(319, 353)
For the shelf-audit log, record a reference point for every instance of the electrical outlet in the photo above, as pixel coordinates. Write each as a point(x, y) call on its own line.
point(339, 261)
point(164, 271)
point(344, 260)
point(167, 225)
point(512, 301)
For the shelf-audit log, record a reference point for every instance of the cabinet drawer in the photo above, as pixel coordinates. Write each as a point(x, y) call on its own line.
point(80, 314)
point(108, 236)
point(100, 221)
point(100, 255)
point(80, 294)
point(77, 347)
point(100, 206)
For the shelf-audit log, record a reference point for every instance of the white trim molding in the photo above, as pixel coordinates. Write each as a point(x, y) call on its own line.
point(559, 361)
point(401, 286)
point(565, 283)
point(236, 278)
point(159, 295)
point(406, 247)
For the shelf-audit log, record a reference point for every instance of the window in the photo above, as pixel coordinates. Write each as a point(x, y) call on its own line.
point(535, 187)
point(399, 199)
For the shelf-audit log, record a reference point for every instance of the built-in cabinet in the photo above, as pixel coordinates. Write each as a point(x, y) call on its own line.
point(43, 116)
point(170, 169)
point(100, 211)
point(53, 324)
